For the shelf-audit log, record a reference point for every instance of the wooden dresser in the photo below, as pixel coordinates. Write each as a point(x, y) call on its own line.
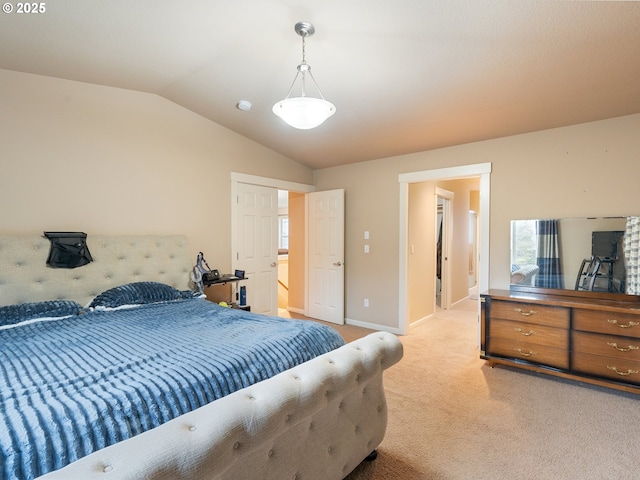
point(579, 335)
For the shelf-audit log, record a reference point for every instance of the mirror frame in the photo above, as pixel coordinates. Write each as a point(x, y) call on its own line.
point(617, 297)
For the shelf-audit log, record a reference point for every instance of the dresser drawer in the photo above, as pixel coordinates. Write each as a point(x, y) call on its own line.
point(625, 348)
point(530, 313)
point(542, 354)
point(530, 333)
point(613, 323)
point(577, 335)
point(620, 370)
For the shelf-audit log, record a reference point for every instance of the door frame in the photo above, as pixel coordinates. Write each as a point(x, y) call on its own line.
point(482, 170)
point(279, 184)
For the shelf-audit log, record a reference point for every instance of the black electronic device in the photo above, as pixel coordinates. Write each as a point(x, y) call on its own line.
point(210, 277)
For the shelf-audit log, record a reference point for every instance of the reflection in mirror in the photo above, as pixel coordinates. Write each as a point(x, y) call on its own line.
point(589, 254)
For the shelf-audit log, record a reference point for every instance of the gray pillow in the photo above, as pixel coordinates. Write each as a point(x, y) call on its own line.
point(21, 312)
point(140, 293)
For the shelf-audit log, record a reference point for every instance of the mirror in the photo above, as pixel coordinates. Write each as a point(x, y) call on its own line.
point(586, 254)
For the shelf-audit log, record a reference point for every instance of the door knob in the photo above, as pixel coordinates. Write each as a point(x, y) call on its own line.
point(274, 264)
point(337, 264)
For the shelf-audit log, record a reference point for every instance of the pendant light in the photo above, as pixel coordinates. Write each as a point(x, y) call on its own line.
point(304, 112)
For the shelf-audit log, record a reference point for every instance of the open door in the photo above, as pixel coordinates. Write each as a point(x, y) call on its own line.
point(257, 245)
point(325, 213)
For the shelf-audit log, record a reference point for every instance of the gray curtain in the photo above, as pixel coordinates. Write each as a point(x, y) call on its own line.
point(550, 274)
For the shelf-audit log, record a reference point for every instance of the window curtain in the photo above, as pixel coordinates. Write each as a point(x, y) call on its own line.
point(550, 274)
point(632, 255)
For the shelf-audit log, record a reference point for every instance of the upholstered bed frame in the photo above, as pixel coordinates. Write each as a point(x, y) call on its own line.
point(318, 420)
point(24, 276)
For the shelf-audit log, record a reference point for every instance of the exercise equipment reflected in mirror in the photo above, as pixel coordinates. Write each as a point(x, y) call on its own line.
point(586, 254)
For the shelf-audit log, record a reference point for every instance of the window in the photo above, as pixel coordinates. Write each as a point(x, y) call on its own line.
point(283, 232)
point(524, 248)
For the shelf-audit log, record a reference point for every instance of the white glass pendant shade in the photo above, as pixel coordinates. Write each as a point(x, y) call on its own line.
point(304, 112)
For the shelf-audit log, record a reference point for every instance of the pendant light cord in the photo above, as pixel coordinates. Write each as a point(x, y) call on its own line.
point(303, 69)
point(304, 44)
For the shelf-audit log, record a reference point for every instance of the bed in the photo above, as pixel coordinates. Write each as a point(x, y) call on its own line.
point(523, 274)
point(314, 409)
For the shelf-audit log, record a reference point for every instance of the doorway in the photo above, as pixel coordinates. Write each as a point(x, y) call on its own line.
point(239, 182)
point(473, 253)
point(315, 253)
point(483, 173)
point(292, 252)
point(444, 231)
point(284, 236)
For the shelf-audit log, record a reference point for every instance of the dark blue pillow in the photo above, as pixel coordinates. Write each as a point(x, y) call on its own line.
point(12, 314)
point(140, 293)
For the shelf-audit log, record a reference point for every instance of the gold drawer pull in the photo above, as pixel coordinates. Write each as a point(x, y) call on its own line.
point(526, 334)
point(622, 349)
point(628, 325)
point(527, 354)
point(624, 374)
point(525, 314)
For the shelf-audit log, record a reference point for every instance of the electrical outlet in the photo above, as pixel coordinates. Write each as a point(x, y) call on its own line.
point(366, 302)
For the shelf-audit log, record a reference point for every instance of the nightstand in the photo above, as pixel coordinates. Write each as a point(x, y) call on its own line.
point(229, 295)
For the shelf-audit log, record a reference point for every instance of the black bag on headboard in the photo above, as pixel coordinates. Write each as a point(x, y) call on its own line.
point(68, 249)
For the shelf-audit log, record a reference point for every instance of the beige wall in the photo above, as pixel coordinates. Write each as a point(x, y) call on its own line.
point(421, 268)
point(297, 251)
point(75, 156)
point(583, 170)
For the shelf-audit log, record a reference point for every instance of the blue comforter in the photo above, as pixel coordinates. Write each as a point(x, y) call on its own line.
point(70, 387)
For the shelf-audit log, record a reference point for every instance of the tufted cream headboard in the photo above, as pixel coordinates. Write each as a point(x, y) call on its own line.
point(25, 277)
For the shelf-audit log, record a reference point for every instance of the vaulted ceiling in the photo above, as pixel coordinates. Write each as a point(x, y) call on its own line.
point(405, 76)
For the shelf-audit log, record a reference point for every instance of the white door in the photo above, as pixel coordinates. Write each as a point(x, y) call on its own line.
point(256, 244)
point(326, 255)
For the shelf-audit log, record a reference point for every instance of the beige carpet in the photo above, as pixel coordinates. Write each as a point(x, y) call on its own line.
point(452, 417)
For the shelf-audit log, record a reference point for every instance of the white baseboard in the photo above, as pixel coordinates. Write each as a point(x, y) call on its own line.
point(373, 326)
point(462, 300)
point(299, 311)
point(473, 292)
point(420, 321)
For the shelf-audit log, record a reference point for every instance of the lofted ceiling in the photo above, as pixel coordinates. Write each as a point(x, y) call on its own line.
point(405, 76)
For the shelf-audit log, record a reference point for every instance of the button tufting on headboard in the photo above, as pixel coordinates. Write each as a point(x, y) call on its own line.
point(24, 276)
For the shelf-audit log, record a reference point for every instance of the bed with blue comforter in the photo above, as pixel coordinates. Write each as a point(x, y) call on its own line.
point(74, 380)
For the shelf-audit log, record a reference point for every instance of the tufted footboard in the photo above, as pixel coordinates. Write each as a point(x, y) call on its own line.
point(318, 420)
